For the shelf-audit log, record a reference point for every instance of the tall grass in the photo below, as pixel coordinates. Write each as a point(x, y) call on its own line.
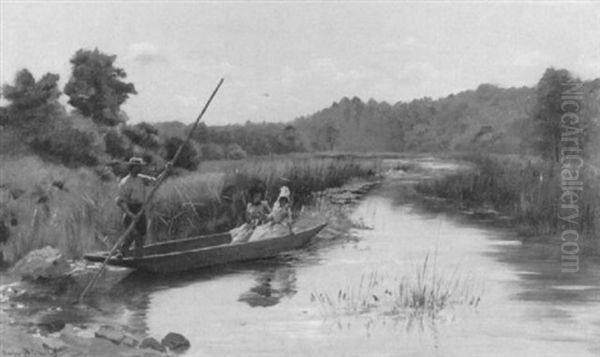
point(526, 189)
point(75, 211)
point(214, 199)
point(43, 204)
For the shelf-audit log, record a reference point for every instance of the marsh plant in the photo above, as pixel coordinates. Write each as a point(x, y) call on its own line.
point(74, 209)
point(527, 189)
point(423, 293)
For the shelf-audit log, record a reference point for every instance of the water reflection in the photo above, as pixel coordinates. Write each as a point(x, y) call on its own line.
point(270, 287)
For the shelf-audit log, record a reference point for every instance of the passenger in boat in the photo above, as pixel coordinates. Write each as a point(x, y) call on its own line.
point(257, 211)
point(284, 191)
point(133, 190)
point(279, 221)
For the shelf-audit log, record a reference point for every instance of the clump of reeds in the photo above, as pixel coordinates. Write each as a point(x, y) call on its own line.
point(43, 204)
point(425, 292)
point(215, 197)
point(75, 210)
point(526, 189)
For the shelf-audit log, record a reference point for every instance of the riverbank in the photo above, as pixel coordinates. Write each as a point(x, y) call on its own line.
point(74, 210)
point(64, 339)
point(526, 195)
point(37, 316)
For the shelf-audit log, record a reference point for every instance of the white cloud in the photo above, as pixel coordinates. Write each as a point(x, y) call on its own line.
point(145, 53)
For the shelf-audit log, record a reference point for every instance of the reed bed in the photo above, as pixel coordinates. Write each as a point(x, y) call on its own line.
point(74, 209)
point(43, 204)
point(214, 199)
point(528, 190)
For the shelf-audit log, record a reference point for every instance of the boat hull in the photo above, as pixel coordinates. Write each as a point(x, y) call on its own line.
point(196, 253)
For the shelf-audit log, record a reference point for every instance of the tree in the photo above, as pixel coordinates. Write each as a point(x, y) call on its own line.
point(143, 134)
point(289, 140)
point(33, 107)
point(66, 145)
point(235, 152)
point(548, 111)
point(212, 151)
point(117, 145)
point(96, 87)
point(188, 159)
point(331, 135)
point(26, 93)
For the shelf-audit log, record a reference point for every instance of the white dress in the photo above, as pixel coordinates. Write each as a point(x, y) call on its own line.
point(277, 226)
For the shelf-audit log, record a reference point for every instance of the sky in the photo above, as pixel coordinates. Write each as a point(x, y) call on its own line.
point(282, 60)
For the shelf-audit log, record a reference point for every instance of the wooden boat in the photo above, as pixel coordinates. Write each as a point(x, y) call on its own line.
point(203, 251)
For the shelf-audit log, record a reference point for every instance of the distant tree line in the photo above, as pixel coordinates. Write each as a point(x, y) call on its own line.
point(96, 129)
point(489, 119)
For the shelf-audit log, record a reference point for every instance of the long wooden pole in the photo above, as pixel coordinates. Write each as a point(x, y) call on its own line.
point(158, 182)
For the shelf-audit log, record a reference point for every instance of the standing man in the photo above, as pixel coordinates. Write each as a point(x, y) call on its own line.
point(133, 191)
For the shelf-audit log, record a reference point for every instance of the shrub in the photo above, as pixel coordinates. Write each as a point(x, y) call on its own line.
point(235, 152)
point(213, 151)
point(66, 145)
point(116, 145)
point(142, 134)
point(188, 159)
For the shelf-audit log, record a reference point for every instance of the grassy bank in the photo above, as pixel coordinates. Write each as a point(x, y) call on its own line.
point(527, 190)
point(74, 209)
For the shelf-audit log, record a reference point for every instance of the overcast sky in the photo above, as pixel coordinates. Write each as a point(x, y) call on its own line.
point(282, 60)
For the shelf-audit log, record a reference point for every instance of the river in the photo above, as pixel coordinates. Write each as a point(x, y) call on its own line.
point(527, 307)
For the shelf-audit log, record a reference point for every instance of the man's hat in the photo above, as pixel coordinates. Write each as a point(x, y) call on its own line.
point(136, 161)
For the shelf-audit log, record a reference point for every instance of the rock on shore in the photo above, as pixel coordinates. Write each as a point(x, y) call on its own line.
point(88, 340)
point(45, 263)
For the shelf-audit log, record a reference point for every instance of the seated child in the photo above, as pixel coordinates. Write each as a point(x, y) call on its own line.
point(279, 222)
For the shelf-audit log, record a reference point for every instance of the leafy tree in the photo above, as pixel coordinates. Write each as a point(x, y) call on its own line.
point(331, 135)
point(547, 112)
point(289, 140)
point(96, 87)
point(67, 145)
point(33, 105)
point(235, 152)
point(213, 151)
point(202, 133)
point(143, 134)
point(117, 145)
point(188, 159)
point(27, 93)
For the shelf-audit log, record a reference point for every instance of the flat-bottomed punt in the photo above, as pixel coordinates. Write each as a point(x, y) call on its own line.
point(203, 251)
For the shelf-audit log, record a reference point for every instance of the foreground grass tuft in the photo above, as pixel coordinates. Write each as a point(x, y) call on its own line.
point(422, 293)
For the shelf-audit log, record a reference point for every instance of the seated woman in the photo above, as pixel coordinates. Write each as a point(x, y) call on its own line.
point(257, 211)
point(279, 222)
point(284, 191)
